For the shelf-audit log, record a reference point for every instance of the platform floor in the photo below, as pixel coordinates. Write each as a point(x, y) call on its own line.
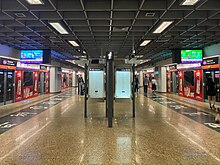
point(55, 132)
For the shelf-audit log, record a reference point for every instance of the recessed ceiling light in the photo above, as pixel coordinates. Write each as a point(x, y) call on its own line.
point(189, 2)
point(163, 26)
point(73, 43)
point(145, 42)
point(35, 2)
point(58, 27)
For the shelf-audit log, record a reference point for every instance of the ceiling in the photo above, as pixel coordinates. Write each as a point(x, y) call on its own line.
point(109, 25)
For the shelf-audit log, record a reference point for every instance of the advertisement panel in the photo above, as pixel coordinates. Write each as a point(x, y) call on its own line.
point(168, 82)
point(96, 84)
point(123, 83)
point(198, 85)
point(36, 83)
point(18, 85)
point(47, 82)
point(180, 75)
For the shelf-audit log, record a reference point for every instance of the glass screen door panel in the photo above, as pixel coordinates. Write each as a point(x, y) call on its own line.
point(10, 87)
point(1, 87)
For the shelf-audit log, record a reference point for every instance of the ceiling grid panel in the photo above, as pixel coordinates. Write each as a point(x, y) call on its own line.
point(109, 25)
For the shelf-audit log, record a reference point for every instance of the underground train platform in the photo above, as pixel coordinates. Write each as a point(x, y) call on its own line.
point(110, 82)
point(166, 130)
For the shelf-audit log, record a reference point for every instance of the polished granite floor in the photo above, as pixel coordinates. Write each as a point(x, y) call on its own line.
point(158, 135)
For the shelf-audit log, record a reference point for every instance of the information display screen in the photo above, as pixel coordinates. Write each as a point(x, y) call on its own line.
point(96, 84)
point(31, 56)
point(123, 84)
point(191, 56)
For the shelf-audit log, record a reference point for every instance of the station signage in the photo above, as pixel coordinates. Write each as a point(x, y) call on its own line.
point(7, 64)
point(28, 66)
point(172, 68)
point(42, 67)
point(188, 66)
point(149, 70)
point(210, 63)
point(123, 69)
point(96, 69)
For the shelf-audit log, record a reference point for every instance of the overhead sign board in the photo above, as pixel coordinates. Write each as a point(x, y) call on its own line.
point(210, 61)
point(7, 62)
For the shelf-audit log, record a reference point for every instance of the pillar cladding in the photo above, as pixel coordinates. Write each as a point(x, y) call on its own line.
point(74, 79)
point(55, 79)
point(141, 81)
point(160, 76)
point(110, 86)
point(86, 90)
point(133, 90)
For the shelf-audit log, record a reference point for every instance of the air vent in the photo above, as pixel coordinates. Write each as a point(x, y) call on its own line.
point(20, 15)
point(120, 29)
point(150, 14)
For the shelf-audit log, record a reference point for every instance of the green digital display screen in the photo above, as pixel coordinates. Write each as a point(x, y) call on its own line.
point(191, 56)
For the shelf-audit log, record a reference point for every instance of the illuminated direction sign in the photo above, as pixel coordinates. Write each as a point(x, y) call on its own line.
point(192, 113)
point(14, 119)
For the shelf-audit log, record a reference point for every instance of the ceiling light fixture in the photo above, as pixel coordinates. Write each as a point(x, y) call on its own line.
point(189, 2)
point(139, 56)
point(58, 27)
point(163, 26)
point(73, 43)
point(35, 2)
point(145, 42)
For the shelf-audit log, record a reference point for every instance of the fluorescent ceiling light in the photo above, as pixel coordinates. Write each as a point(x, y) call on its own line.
point(139, 56)
point(58, 27)
point(73, 43)
point(145, 42)
point(189, 2)
point(35, 2)
point(163, 26)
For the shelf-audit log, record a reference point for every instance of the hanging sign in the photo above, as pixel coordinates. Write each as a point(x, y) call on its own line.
point(18, 87)
point(210, 63)
point(8, 64)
